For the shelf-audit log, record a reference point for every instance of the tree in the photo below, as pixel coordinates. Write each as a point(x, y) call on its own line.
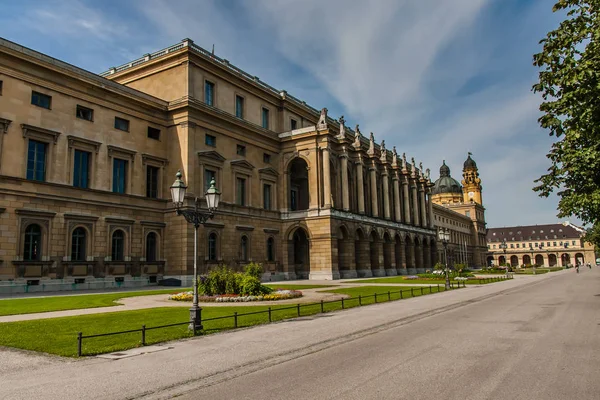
point(569, 82)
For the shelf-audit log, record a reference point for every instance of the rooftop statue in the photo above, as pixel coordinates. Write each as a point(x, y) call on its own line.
point(371, 144)
point(356, 136)
point(323, 119)
point(382, 149)
point(427, 172)
point(394, 156)
point(404, 164)
point(342, 127)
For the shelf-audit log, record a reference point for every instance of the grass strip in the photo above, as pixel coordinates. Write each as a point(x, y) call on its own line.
point(58, 335)
point(401, 280)
point(60, 303)
point(295, 287)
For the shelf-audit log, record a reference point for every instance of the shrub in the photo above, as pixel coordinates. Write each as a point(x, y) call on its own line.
point(254, 269)
point(251, 286)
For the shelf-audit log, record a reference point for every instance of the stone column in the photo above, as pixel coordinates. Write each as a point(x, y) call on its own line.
point(410, 258)
point(386, 195)
point(374, 205)
point(346, 262)
point(423, 206)
point(345, 192)
point(397, 205)
point(419, 258)
point(362, 258)
point(377, 267)
point(389, 258)
point(415, 198)
point(326, 179)
point(429, 210)
point(360, 188)
point(406, 201)
point(400, 252)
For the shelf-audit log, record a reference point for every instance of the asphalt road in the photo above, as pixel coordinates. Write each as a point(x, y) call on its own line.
point(531, 338)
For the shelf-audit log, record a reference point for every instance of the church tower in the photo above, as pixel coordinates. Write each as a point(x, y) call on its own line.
point(471, 183)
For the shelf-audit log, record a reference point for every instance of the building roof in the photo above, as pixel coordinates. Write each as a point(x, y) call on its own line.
point(445, 183)
point(469, 162)
point(534, 232)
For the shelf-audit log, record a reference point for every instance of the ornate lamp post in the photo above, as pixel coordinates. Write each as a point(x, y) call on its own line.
point(197, 218)
point(503, 246)
point(566, 246)
point(444, 237)
point(532, 259)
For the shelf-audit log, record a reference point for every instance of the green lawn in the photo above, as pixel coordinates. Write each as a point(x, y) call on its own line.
point(400, 279)
point(59, 303)
point(529, 271)
point(295, 287)
point(59, 335)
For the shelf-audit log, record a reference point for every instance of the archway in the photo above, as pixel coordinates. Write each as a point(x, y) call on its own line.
point(298, 190)
point(565, 259)
point(376, 253)
point(345, 246)
point(552, 261)
point(389, 261)
point(301, 253)
point(362, 255)
point(398, 252)
point(539, 260)
point(579, 259)
point(489, 261)
point(410, 255)
point(501, 261)
point(418, 250)
point(526, 260)
point(514, 261)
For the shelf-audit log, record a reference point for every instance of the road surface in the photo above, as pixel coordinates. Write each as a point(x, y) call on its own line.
point(532, 338)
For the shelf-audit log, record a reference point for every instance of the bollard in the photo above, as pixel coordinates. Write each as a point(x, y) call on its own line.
point(375, 297)
point(298, 309)
point(322, 309)
point(401, 294)
point(79, 339)
point(143, 335)
point(412, 293)
point(235, 319)
point(421, 290)
point(342, 303)
point(270, 320)
point(389, 296)
point(429, 289)
point(359, 300)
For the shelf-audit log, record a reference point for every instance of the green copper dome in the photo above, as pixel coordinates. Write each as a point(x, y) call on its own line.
point(446, 184)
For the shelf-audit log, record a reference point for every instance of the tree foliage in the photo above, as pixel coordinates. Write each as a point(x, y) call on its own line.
point(569, 83)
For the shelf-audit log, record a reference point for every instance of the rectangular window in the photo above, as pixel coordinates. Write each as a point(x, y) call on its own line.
point(512, 246)
point(152, 181)
point(267, 197)
point(41, 100)
point(81, 167)
point(121, 124)
point(468, 214)
point(573, 243)
point(517, 245)
point(293, 124)
point(209, 175)
point(36, 161)
point(265, 118)
point(210, 140)
point(554, 244)
point(239, 107)
point(119, 175)
point(536, 245)
point(153, 133)
point(267, 158)
point(548, 244)
point(209, 93)
point(240, 150)
point(0, 88)
point(82, 112)
point(241, 192)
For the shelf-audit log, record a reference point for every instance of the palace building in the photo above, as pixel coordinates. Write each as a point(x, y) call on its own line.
point(547, 245)
point(86, 162)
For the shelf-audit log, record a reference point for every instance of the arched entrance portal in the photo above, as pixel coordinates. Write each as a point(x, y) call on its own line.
point(389, 262)
point(526, 260)
point(298, 190)
point(301, 253)
point(399, 251)
point(362, 255)
point(514, 261)
point(501, 260)
point(376, 253)
point(539, 260)
point(490, 261)
point(552, 261)
point(579, 259)
point(346, 264)
point(565, 259)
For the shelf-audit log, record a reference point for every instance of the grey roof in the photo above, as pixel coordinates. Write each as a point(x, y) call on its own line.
point(445, 183)
point(533, 232)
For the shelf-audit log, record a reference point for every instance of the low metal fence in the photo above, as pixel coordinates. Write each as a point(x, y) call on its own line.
point(377, 297)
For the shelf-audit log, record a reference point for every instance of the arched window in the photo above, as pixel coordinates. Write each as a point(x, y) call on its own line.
point(151, 248)
point(78, 243)
point(244, 248)
point(270, 249)
point(212, 247)
point(118, 245)
point(33, 243)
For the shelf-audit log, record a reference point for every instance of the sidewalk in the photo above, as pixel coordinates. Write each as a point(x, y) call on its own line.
point(186, 364)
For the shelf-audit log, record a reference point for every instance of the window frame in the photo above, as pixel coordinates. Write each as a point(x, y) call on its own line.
point(240, 150)
point(36, 144)
point(269, 200)
point(155, 253)
point(210, 257)
point(122, 119)
point(89, 146)
point(125, 174)
point(293, 121)
point(264, 125)
point(153, 129)
point(207, 140)
point(244, 181)
point(152, 192)
point(87, 168)
point(41, 95)
point(245, 248)
point(213, 102)
point(241, 113)
point(270, 249)
point(266, 158)
point(115, 152)
point(39, 252)
point(81, 246)
point(114, 251)
point(84, 108)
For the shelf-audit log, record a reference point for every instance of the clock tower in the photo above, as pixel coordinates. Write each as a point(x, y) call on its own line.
point(471, 182)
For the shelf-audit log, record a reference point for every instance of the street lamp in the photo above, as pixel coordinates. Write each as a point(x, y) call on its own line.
point(503, 246)
point(566, 246)
point(532, 260)
point(197, 218)
point(444, 237)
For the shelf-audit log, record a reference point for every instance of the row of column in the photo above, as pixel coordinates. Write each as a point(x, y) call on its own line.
point(364, 258)
point(422, 210)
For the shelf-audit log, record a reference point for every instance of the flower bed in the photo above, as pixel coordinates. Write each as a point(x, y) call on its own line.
point(234, 298)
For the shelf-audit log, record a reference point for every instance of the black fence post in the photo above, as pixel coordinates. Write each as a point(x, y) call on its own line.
point(421, 290)
point(359, 300)
point(438, 287)
point(235, 322)
point(342, 303)
point(298, 306)
point(270, 319)
point(389, 296)
point(412, 293)
point(79, 339)
point(322, 309)
point(429, 289)
point(143, 335)
point(375, 297)
point(401, 294)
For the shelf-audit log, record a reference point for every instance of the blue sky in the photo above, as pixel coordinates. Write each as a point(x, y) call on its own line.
point(435, 78)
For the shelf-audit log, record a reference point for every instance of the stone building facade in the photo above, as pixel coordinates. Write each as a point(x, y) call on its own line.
point(547, 245)
point(86, 162)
